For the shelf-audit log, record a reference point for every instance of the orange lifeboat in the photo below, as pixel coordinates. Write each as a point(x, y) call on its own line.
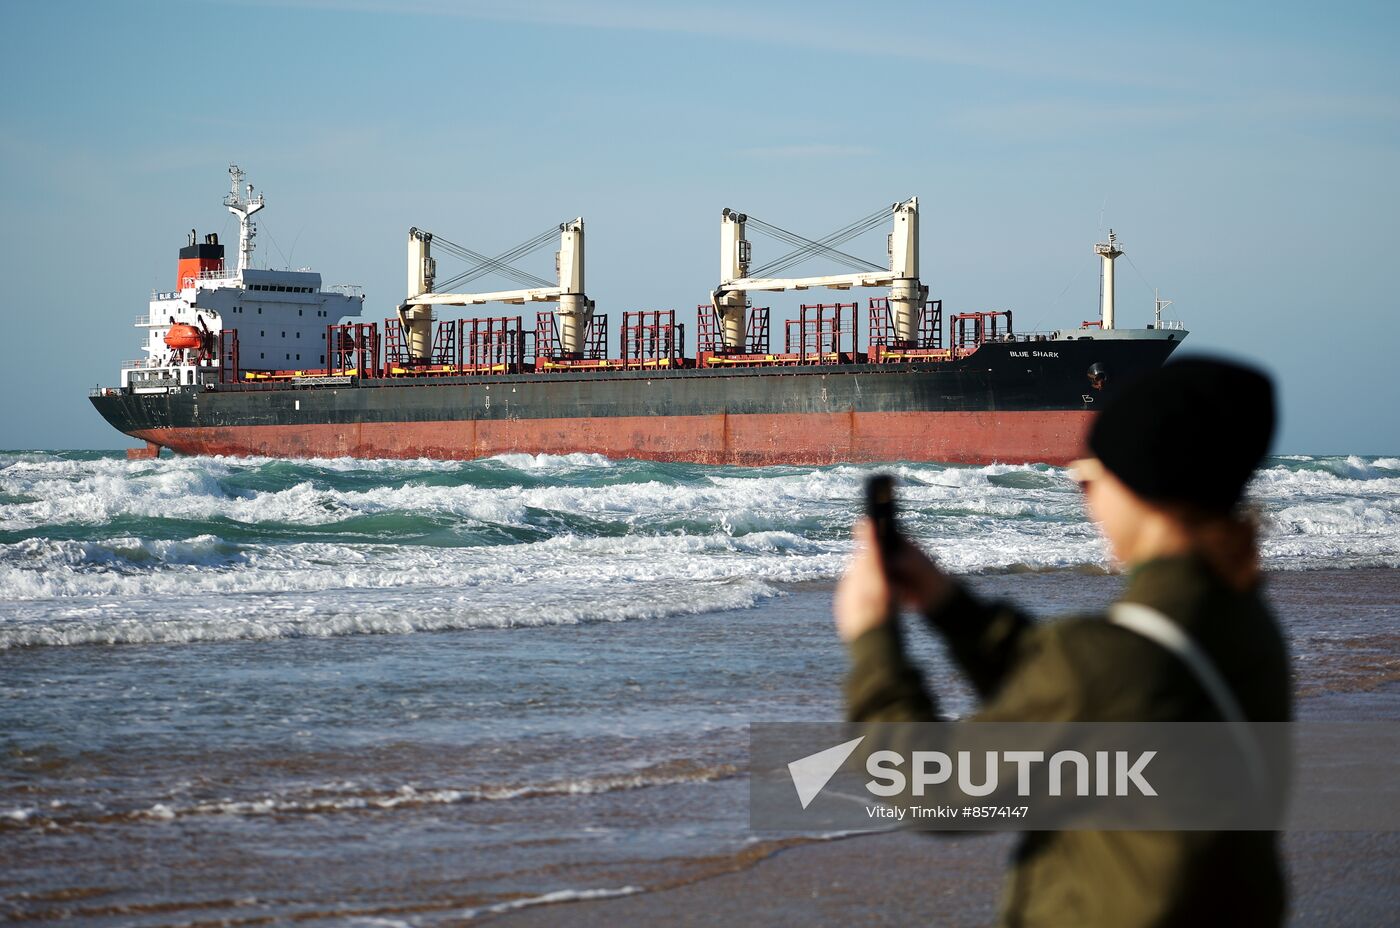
point(182, 335)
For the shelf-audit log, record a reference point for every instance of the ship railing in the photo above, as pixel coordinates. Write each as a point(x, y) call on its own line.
point(351, 290)
point(1173, 324)
point(1021, 337)
point(217, 273)
point(142, 363)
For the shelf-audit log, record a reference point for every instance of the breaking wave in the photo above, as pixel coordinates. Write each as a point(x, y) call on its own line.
point(98, 549)
point(348, 797)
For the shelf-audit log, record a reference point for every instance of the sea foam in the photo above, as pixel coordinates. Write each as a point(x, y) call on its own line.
point(98, 549)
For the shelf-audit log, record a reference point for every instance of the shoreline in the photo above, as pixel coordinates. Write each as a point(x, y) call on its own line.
point(1335, 878)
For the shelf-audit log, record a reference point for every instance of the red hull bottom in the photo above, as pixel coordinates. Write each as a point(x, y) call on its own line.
point(1053, 437)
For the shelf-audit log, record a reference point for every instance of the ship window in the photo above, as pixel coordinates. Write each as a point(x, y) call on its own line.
point(284, 334)
point(298, 357)
point(323, 359)
point(298, 335)
point(259, 310)
point(298, 312)
point(262, 333)
point(261, 355)
point(281, 289)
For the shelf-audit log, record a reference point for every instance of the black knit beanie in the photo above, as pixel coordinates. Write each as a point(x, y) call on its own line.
point(1191, 432)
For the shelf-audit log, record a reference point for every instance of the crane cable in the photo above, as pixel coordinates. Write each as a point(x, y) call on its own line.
point(499, 264)
point(808, 248)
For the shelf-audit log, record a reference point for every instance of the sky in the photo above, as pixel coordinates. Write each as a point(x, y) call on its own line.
point(1245, 153)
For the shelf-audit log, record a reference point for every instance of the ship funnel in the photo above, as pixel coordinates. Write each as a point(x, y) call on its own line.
point(1108, 252)
point(198, 259)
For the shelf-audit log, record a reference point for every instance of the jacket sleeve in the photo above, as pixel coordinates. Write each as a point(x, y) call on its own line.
point(1022, 672)
point(985, 640)
point(882, 685)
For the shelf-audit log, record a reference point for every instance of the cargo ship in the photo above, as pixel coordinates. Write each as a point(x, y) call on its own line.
point(246, 361)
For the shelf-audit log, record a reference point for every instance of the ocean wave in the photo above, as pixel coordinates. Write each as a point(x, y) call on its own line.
point(139, 620)
point(549, 898)
point(100, 549)
point(348, 798)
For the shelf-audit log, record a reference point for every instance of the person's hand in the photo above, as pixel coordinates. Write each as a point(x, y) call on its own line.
point(864, 598)
point(868, 591)
point(918, 582)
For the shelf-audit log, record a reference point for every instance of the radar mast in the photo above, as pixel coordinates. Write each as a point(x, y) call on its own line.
point(243, 206)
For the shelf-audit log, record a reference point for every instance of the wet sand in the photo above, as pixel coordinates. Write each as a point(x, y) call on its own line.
point(899, 879)
point(1342, 622)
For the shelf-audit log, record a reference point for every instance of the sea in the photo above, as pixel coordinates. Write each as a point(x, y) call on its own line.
point(252, 691)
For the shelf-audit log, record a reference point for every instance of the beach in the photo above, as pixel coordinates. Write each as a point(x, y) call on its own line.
point(253, 693)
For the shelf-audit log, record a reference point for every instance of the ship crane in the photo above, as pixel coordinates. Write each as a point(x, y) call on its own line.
point(575, 310)
point(907, 294)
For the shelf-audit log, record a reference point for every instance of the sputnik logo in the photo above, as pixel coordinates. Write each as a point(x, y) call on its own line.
point(811, 773)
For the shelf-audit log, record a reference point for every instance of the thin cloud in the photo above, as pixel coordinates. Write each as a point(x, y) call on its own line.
point(815, 150)
point(1075, 117)
point(816, 30)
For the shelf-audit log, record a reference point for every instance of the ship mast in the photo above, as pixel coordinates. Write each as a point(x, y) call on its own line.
point(1108, 252)
point(243, 206)
point(1159, 304)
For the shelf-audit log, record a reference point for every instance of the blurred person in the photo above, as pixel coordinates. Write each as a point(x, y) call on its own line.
point(1169, 460)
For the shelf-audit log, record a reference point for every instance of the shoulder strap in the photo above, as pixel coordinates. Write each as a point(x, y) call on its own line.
point(1156, 627)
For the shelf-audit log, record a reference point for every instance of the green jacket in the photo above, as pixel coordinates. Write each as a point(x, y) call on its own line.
point(1084, 669)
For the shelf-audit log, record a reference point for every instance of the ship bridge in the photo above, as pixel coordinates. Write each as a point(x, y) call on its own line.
point(262, 318)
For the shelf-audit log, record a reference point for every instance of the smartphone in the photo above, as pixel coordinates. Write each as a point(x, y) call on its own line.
point(879, 506)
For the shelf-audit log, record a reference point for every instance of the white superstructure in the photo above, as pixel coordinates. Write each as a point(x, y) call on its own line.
point(279, 316)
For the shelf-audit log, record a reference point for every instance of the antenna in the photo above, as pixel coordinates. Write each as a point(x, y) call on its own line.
point(1158, 305)
point(243, 207)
